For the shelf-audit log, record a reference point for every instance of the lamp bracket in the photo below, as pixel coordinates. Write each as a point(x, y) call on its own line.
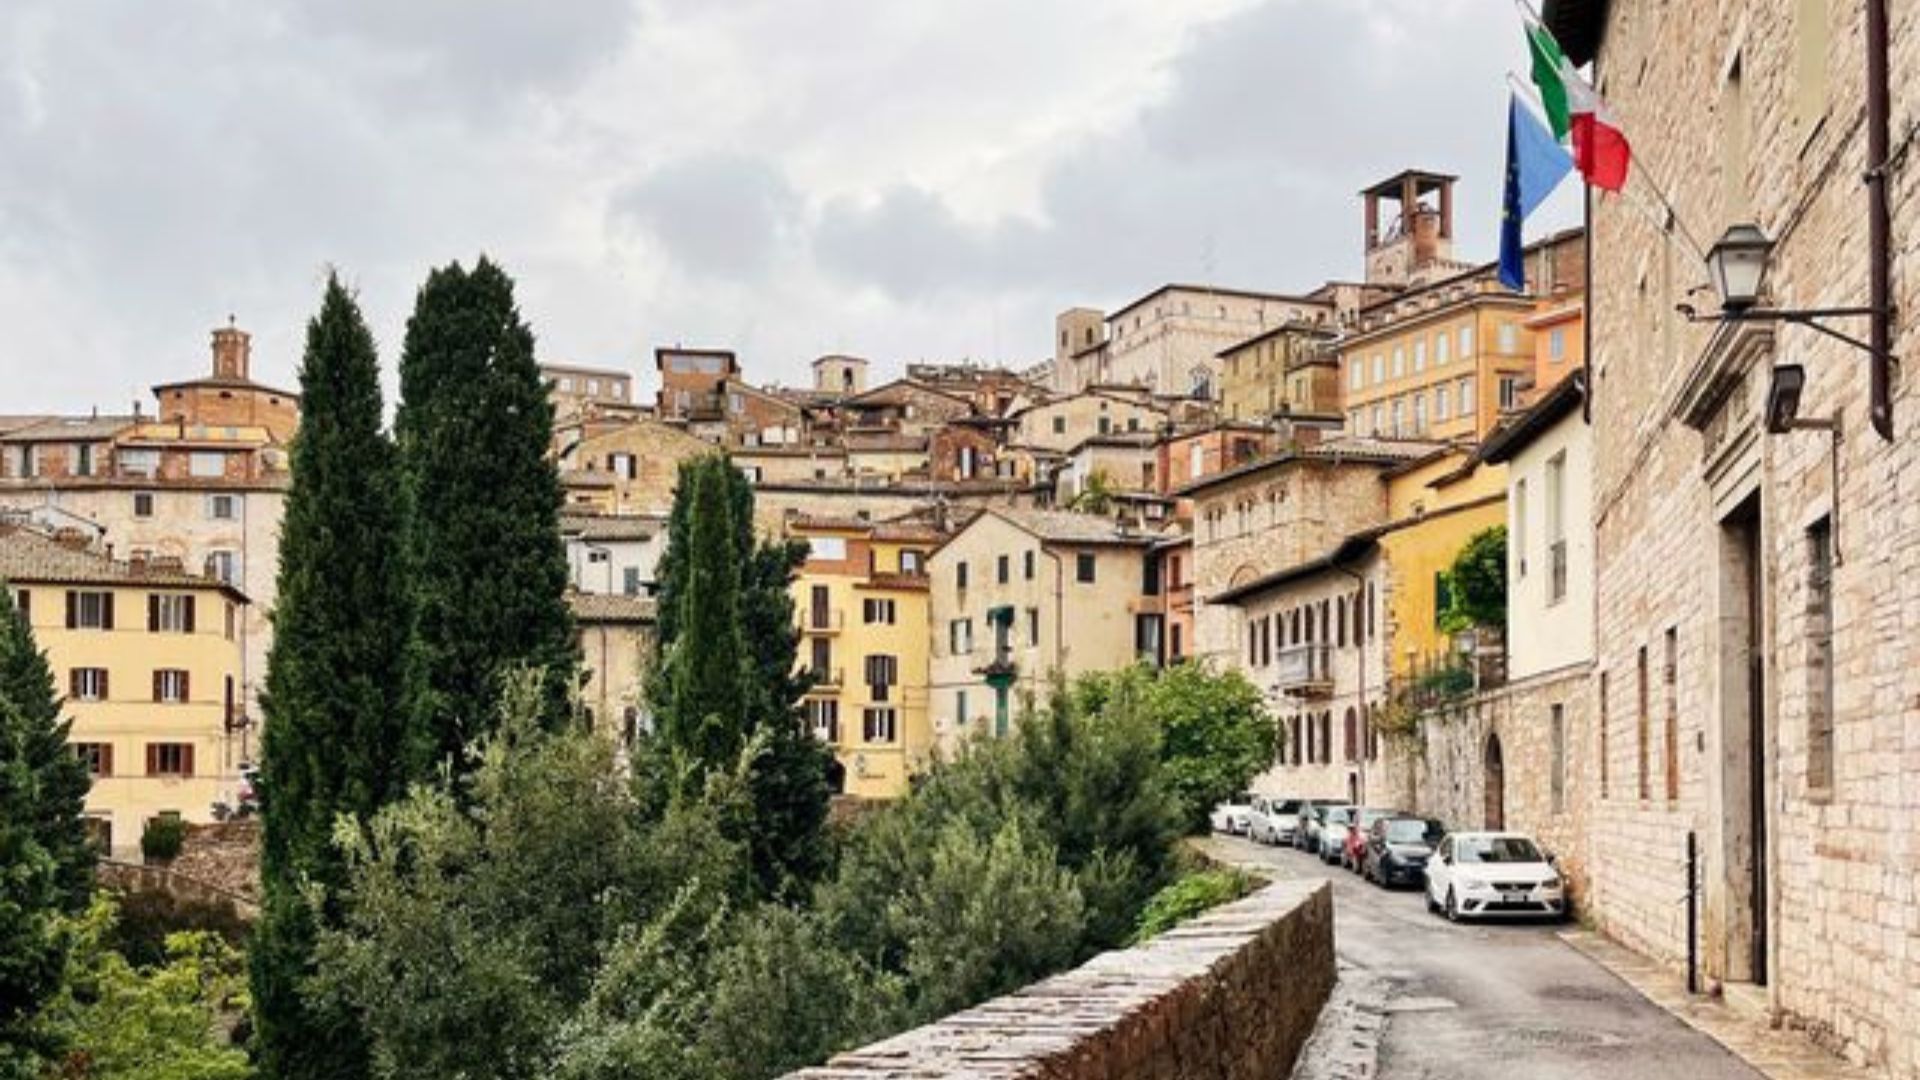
point(1807, 317)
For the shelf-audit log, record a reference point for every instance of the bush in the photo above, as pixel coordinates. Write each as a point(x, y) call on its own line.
point(148, 917)
point(1189, 896)
point(162, 839)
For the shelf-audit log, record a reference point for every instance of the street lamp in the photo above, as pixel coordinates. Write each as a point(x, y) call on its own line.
point(1738, 263)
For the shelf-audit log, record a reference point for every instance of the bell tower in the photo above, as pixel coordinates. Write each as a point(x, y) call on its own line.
point(1409, 226)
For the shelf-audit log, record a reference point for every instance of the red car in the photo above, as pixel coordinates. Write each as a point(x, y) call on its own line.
point(1353, 853)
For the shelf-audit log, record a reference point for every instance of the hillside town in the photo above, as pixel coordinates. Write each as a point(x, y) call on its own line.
point(1606, 541)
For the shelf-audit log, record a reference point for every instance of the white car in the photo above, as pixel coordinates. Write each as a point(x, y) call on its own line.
point(1230, 817)
point(1488, 874)
point(1273, 819)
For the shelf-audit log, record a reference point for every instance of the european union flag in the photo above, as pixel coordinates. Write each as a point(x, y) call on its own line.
point(1536, 163)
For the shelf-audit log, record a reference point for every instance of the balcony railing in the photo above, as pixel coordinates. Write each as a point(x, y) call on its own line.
point(822, 620)
point(826, 678)
point(1304, 670)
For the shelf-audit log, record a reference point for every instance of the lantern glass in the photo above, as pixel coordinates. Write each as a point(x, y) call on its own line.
point(1738, 263)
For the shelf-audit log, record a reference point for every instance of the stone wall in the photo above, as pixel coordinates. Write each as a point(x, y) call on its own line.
point(1234, 993)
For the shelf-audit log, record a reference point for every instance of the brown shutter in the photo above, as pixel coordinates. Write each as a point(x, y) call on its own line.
point(153, 759)
point(73, 683)
point(104, 692)
point(156, 686)
point(153, 612)
point(106, 759)
point(73, 609)
point(186, 686)
point(107, 622)
point(25, 599)
point(189, 624)
point(186, 759)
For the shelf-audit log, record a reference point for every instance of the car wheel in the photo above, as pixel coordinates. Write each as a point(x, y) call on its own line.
point(1432, 907)
point(1453, 908)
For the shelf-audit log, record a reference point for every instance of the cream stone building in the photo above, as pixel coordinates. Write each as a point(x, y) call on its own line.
point(1064, 423)
point(150, 661)
point(1758, 617)
point(1022, 596)
point(1169, 340)
point(618, 634)
point(628, 469)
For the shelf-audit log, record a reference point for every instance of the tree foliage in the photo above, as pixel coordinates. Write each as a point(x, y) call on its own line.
point(60, 779)
point(333, 679)
point(485, 564)
point(1476, 583)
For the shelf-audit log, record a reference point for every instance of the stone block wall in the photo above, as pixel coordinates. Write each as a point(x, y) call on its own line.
point(1233, 994)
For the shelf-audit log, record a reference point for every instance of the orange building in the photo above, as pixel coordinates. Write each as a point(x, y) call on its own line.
point(229, 398)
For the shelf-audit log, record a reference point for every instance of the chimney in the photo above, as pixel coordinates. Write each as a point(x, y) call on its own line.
point(137, 562)
point(232, 348)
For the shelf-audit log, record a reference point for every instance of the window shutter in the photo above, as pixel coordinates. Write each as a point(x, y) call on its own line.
point(153, 613)
point(186, 686)
point(104, 694)
point(189, 613)
point(73, 609)
point(153, 759)
point(156, 686)
point(106, 759)
point(25, 600)
point(106, 600)
point(186, 759)
point(73, 683)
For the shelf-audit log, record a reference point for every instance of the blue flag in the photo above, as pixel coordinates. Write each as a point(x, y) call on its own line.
point(1536, 163)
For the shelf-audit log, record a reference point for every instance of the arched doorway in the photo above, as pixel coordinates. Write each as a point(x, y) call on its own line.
point(1496, 780)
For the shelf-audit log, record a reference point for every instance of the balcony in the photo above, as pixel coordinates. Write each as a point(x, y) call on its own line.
point(1304, 671)
point(822, 620)
point(826, 678)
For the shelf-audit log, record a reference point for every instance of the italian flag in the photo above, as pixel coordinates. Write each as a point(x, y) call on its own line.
point(1576, 113)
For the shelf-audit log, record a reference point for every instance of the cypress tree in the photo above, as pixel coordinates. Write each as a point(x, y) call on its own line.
point(333, 683)
point(789, 781)
point(61, 780)
point(707, 686)
point(485, 559)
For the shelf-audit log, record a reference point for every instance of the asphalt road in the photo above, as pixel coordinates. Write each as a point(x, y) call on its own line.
point(1477, 1001)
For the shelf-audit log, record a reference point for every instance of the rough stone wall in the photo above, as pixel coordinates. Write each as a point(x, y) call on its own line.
point(1753, 112)
point(1232, 994)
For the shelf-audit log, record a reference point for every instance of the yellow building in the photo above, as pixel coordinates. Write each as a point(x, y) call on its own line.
point(1442, 365)
point(861, 598)
point(1290, 368)
point(149, 660)
point(1436, 507)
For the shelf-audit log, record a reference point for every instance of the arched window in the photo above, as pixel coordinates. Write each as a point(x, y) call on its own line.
point(1353, 735)
point(1297, 725)
point(1326, 735)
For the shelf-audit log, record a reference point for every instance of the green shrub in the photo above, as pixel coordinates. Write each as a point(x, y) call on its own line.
point(148, 917)
point(1189, 896)
point(162, 839)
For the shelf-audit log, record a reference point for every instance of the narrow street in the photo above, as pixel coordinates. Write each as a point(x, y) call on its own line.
point(1475, 1000)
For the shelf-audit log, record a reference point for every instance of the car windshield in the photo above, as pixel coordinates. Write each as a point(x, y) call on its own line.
point(1242, 799)
point(1339, 815)
point(1368, 817)
point(1496, 849)
point(1287, 806)
point(1406, 831)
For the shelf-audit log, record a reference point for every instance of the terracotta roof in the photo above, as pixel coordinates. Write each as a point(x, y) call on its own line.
point(1514, 435)
point(612, 526)
point(611, 608)
point(1065, 527)
point(28, 555)
point(233, 381)
point(16, 423)
point(70, 428)
point(1360, 450)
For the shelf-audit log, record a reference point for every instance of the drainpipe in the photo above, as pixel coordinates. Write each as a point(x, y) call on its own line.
point(1879, 223)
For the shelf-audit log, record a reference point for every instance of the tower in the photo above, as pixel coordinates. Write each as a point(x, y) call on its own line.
point(1409, 226)
point(843, 375)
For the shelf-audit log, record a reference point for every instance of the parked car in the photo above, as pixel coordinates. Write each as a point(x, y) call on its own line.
point(1353, 846)
point(1484, 874)
point(1230, 817)
point(1273, 820)
point(1313, 816)
point(1398, 849)
point(1334, 821)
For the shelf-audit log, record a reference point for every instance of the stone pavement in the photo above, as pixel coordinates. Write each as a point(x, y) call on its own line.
point(1745, 1031)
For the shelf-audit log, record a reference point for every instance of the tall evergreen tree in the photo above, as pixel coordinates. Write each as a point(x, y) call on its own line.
point(334, 681)
point(712, 520)
point(26, 681)
point(708, 690)
point(483, 545)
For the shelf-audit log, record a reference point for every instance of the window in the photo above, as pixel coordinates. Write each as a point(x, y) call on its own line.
point(593, 387)
point(1519, 540)
point(960, 708)
point(1354, 373)
point(1083, 568)
point(828, 548)
point(877, 611)
point(89, 610)
point(1557, 756)
point(207, 463)
point(1060, 425)
point(883, 672)
point(821, 667)
point(1399, 416)
point(83, 459)
point(138, 462)
point(1641, 723)
point(1379, 368)
point(1003, 569)
point(1509, 337)
point(1557, 344)
point(736, 404)
point(97, 756)
point(1026, 564)
point(622, 465)
point(169, 759)
point(823, 716)
point(143, 504)
point(566, 383)
point(1820, 657)
point(1811, 33)
point(1033, 627)
point(170, 686)
point(913, 562)
point(960, 637)
point(960, 575)
point(1378, 417)
point(1670, 674)
point(223, 567)
point(878, 725)
point(1442, 345)
point(1466, 342)
point(23, 599)
point(169, 614)
point(1464, 391)
point(630, 580)
point(232, 620)
point(1556, 528)
point(1509, 393)
point(1420, 356)
point(1399, 361)
point(1420, 413)
point(87, 684)
point(1441, 398)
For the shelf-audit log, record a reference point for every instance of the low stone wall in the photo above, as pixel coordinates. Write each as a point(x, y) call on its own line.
point(1232, 994)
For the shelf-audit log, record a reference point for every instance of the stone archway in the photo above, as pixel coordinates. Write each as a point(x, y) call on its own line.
point(1496, 783)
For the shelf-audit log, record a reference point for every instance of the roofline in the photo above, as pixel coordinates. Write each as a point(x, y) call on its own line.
point(1327, 333)
point(1503, 443)
point(1283, 457)
point(1387, 186)
point(1218, 290)
point(1473, 272)
point(211, 380)
point(582, 369)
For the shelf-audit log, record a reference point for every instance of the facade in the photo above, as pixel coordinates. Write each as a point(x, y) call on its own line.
point(1559, 325)
point(1443, 365)
point(629, 469)
point(579, 393)
point(862, 602)
point(1289, 369)
point(150, 660)
point(1064, 423)
point(614, 555)
point(1170, 340)
point(1755, 683)
point(1022, 596)
point(618, 634)
point(840, 376)
point(228, 397)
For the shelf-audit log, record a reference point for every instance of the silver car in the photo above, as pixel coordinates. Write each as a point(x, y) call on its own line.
point(1273, 820)
point(1313, 814)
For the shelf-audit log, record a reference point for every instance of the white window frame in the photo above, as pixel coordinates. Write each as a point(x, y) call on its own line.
point(222, 506)
point(207, 464)
point(170, 612)
point(171, 684)
point(90, 684)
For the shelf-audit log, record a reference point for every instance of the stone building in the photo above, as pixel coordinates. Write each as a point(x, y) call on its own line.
point(1065, 422)
point(614, 555)
point(618, 633)
point(1758, 593)
point(1288, 369)
point(149, 659)
point(586, 394)
point(1169, 340)
point(629, 469)
point(1020, 596)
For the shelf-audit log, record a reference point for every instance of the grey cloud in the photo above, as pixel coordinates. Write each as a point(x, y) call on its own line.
point(717, 215)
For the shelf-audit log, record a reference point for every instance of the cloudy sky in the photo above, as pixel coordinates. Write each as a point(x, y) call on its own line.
point(902, 179)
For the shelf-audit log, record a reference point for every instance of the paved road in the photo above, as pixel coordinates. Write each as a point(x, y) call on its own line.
point(1479, 1002)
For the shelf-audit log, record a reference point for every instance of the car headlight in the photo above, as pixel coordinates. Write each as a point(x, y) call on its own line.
point(1551, 883)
